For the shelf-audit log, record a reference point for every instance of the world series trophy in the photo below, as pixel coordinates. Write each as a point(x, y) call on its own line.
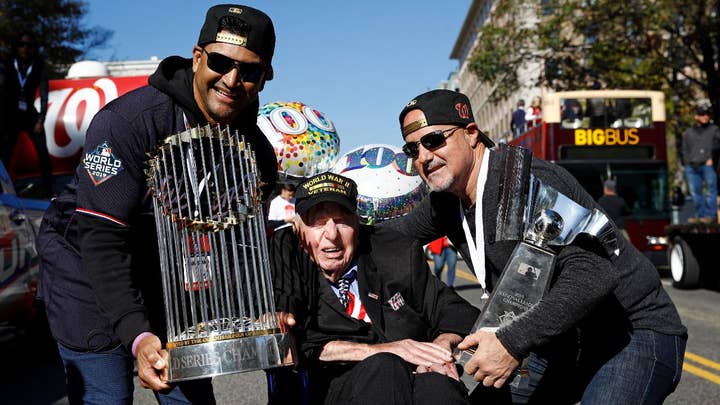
point(220, 312)
point(540, 217)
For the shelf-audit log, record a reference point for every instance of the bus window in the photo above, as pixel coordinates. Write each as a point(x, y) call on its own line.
point(642, 185)
point(600, 112)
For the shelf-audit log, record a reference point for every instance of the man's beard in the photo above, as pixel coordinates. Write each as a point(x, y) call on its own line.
point(443, 184)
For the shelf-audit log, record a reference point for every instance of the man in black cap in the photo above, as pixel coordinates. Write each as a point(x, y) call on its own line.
point(617, 303)
point(98, 239)
point(699, 142)
point(373, 326)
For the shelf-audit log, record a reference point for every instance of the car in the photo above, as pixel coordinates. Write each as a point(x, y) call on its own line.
point(19, 260)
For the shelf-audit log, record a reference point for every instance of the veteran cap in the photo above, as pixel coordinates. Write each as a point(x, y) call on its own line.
point(441, 107)
point(326, 187)
point(254, 31)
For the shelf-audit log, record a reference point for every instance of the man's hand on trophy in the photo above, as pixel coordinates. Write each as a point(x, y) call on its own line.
point(152, 364)
point(491, 364)
point(286, 321)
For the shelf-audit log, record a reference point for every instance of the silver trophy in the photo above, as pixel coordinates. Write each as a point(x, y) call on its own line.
point(538, 216)
point(220, 312)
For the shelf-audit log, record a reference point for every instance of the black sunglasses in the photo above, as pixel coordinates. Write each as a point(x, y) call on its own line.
point(248, 72)
point(431, 140)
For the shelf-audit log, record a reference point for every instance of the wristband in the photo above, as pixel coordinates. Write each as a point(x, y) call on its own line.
point(137, 341)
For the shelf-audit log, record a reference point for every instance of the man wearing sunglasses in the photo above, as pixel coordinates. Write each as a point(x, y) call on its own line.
point(98, 239)
point(626, 322)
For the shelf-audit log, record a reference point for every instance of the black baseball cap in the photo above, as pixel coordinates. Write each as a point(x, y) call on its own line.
point(257, 32)
point(326, 187)
point(441, 107)
point(702, 110)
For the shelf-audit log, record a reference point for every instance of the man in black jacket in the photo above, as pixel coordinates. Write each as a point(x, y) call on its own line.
point(26, 75)
point(625, 319)
point(372, 324)
point(105, 216)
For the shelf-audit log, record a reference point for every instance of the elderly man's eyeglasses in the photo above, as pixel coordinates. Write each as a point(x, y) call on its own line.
point(431, 140)
point(248, 72)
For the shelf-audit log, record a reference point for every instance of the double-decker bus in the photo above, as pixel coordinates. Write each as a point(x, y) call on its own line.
point(611, 134)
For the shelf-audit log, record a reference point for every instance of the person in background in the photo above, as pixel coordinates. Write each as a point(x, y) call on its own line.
point(444, 252)
point(373, 326)
point(533, 117)
point(698, 143)
point(282, 208)
point(614, 206)
point(572, 110)
point(26, 75)
point(597, 111)
point(518, 124)
point(100, 276)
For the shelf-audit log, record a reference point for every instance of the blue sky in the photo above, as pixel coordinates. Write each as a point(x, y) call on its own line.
point(358, 62)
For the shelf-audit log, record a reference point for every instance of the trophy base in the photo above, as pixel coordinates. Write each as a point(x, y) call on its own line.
point(240, 355)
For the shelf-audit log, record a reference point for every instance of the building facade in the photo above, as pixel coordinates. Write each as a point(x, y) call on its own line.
point(492, 118)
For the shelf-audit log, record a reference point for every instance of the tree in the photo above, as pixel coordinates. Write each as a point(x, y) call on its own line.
point(57, 27)
point(670, 45)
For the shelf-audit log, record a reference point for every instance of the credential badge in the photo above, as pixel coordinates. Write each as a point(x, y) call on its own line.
point(101, 164)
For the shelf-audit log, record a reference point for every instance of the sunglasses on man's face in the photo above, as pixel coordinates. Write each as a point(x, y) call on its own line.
point(430, 141)
point(248, 72)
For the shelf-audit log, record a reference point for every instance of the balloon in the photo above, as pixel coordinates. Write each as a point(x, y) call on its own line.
point(388, 183)
point(305, 140)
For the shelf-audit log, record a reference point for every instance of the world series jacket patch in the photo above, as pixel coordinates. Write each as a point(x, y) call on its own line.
point(101, 163)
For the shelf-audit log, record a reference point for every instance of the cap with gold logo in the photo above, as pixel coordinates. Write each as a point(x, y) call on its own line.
point(440, 107)
point(240, 25)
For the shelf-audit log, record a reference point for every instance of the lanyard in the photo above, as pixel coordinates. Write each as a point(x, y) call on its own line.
point(477, 245)
point(22, 79)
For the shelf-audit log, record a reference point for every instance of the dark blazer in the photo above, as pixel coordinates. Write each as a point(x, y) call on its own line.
point(388, 264)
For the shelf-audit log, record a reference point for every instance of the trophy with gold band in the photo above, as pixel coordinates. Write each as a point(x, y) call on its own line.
point(220, 312)
point(539, 217)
